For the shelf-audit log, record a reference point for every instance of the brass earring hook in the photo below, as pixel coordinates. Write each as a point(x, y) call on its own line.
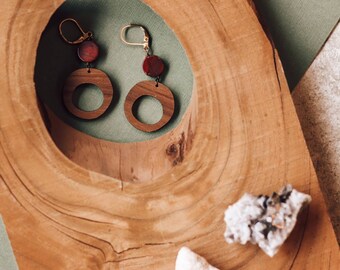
point(84, 35)
point(145, 44)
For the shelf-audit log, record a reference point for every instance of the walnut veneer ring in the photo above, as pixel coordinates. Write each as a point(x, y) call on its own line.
point(161, 93)
point(84, 76)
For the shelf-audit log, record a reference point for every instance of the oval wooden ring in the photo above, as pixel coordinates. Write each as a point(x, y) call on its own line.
point(82, 76)
point(231, 140)
point(148, 88)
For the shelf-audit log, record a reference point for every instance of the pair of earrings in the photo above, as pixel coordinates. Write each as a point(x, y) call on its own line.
point(153, 66)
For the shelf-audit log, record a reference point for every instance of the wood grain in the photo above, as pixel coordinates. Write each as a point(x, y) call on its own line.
point(85, 76)
point(160, 92)
point(242, 135)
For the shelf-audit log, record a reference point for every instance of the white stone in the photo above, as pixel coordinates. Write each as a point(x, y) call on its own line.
point(263, 220)
point(189, 260)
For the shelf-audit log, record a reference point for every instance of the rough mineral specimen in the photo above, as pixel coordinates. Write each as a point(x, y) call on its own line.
point(188, 260)
point(263, 220)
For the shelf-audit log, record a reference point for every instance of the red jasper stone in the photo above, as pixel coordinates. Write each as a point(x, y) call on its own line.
point(88, 51)
point(153, 66)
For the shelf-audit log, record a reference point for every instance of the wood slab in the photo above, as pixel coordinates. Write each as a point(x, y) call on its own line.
point(244, 136)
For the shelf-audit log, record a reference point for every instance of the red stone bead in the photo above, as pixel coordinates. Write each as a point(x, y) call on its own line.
point(153, 66)
point(88, 51)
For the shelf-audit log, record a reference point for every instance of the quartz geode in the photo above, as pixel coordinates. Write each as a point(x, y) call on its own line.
point(263, 220)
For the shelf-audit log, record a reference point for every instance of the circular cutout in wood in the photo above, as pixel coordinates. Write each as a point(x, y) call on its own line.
point(161, 93)
point(83, 76)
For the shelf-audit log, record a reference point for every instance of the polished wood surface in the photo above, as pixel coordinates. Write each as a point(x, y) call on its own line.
point(87, 76)
point(157, 90)
point(240, 134)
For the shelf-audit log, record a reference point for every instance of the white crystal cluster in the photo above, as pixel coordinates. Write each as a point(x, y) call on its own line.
point(263, 220)
point(188, 260)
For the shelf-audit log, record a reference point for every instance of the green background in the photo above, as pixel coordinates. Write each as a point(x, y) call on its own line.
point(299, 28)
point(7, 259)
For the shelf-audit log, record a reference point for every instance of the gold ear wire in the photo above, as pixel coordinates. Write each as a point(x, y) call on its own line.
point(145, 44)
point(84, 35)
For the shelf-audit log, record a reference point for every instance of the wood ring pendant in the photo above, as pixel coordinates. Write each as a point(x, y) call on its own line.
point(161, 93)
point(82, 76)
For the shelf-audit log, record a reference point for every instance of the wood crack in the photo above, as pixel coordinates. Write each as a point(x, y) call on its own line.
point(300, 243)
point(305, 223)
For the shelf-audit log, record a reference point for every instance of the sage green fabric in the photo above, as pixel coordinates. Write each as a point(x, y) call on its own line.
point(56, 60)
point(299, 28)
point(7, 259)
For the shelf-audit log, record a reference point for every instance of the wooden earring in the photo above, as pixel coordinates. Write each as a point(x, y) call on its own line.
point(153, 66)
point(88, 51)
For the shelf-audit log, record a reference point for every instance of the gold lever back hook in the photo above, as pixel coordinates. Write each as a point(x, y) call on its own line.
point(145, 44)
point(84, 35)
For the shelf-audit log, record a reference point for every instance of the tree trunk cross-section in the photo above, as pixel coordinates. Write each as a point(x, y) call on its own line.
point(241, 134)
